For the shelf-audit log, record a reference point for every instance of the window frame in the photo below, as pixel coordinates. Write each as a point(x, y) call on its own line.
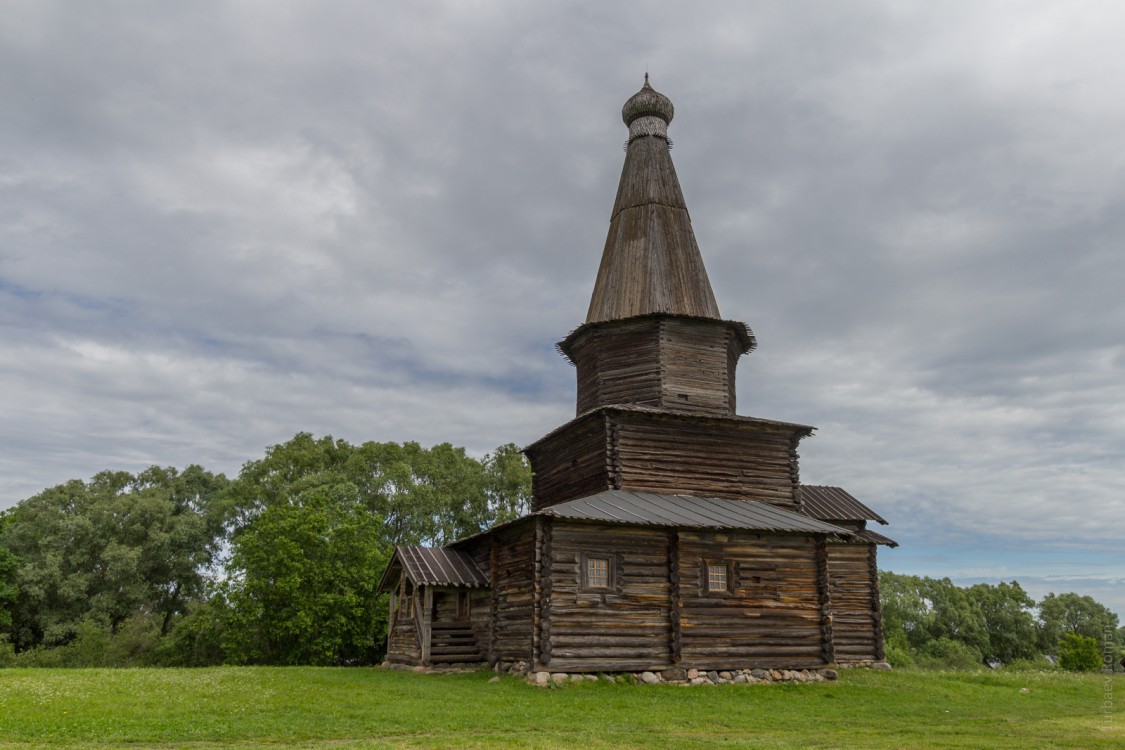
point(731, 567)
point(613, 580)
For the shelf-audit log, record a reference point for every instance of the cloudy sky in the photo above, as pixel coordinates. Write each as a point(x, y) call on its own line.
point(223, 223)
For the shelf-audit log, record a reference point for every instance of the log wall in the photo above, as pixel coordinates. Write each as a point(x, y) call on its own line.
point(480, 600)
point(683, 365)
point(618, 363)
point(855, 603)
point(512, 565)
point(667, 453)
point(624, 627)
point(707, 457)
point(697, 372)
point(402, 642)
point(574, 462)
point(772, 615)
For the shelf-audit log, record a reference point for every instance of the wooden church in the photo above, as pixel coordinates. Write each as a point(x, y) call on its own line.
point(666, 531)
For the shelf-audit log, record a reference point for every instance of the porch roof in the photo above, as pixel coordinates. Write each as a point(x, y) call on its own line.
point(436, 566)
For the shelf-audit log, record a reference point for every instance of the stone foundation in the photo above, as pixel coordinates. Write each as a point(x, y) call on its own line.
point(674, 676)
point(689, 677)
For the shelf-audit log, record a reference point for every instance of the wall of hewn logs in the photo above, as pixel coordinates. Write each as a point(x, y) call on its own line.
point(793, 602)
point(855, 603)
point(623, 627)
point(741, 459)
point(618, 363)
point(570, 463)
point(659, 452)
point(696, 360)
point(772, 616)
point(684, 365)
point(511, 567)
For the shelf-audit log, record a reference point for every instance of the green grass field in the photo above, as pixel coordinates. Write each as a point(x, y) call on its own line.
point(372, 708)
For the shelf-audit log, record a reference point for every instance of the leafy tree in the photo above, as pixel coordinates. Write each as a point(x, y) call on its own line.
point(1060, 614)
point(906, 617)
point(101, 551)
point(1079, 653)
point(9, 564)
point(954, 614)
point(313, 522)
point(303, 576)
point(424, 495)
point(1010, 631)
point(507, 483)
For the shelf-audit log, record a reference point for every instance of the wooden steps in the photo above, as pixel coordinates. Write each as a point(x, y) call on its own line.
point(454, 643)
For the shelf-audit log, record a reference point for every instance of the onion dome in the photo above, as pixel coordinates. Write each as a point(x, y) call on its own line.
point(648, 112)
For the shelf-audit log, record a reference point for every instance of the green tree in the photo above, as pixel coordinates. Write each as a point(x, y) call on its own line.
point(1079, 653)
point(312, 525)
point(1060, 614)
point(954, 614)
point(1009, 626)
point(9, 564)
point(424, 495)
point(906, 616)
point(507, 484)
point(102, 551)
point(302, 580)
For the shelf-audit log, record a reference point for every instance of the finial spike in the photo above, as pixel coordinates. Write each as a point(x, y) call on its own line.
point(646, 76)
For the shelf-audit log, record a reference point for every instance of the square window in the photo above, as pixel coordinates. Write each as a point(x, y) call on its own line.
point(597, 572)
point(717, 577)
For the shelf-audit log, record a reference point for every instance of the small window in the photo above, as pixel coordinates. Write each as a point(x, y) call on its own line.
point(717, 577)
point(597, 572)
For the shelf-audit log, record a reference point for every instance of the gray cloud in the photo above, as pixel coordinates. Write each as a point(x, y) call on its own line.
point(223, 223)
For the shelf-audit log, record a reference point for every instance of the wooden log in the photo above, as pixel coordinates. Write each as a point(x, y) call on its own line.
point(825, 600)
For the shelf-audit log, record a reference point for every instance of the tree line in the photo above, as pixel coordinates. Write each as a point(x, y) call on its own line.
point(279, 565)
point(933, 622)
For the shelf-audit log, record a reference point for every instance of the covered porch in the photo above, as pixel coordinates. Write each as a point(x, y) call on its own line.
point(434, 593)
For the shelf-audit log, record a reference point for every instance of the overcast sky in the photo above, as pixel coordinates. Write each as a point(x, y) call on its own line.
point(223, 223)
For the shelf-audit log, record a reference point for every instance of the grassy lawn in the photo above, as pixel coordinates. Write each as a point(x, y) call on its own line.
point(372, 708)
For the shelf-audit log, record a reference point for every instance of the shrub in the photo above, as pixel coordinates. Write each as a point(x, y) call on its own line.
point(1079, 653)
point(946, 653)
point(135, 643)
point(899, 657)
point(196, 639)
point(1038, 663)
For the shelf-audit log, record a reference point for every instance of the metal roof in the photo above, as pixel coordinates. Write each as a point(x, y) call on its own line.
point(439, 566)
point(688, 511)
point(835, 504)
point(875, 538)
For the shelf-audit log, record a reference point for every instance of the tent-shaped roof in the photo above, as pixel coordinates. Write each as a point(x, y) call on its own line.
point(651, 262)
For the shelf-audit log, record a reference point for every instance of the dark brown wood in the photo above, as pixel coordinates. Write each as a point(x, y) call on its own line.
point(681, 365)
point(627, 625)
point(876, 603)
point(855, 603)
point(771, 617)
point(651, 262)
point(675, 601)
point(823, 590)
point(646, 451)
point(546, 640)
